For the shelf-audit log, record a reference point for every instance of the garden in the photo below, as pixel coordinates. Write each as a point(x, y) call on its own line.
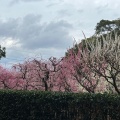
point(82, 85)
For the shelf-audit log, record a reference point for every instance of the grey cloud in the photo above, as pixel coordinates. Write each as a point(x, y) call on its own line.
point(54, 34)
point(27, 1)
point(54, 3)
point(80, 11)
point(17, 1)
point(30, 0)
point(102, 8)
point(8, 28)
point(33, 34)
point(64, 12)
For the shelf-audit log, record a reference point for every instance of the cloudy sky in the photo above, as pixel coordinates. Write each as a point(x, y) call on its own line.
point(44, 28)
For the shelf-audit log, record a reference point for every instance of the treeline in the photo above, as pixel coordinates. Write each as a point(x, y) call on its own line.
point(92, 66)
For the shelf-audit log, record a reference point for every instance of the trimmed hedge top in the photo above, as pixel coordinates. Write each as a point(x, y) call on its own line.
point(38, 105)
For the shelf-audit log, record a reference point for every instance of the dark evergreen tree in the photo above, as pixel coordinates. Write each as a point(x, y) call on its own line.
point(107, 26)
point(2, 52)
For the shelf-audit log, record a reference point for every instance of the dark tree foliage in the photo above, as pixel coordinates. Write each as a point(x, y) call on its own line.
point(2, 52)
point(107, 26)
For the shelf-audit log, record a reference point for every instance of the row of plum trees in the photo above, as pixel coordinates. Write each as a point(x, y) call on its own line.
point(49, 75)
point(91, 66)
point(94, 68)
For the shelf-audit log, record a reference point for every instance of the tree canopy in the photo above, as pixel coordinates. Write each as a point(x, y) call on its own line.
point(2, 52)
point(107, 26)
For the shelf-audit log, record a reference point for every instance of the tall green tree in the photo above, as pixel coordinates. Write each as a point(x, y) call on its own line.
point(2, 52)
point(107, 26)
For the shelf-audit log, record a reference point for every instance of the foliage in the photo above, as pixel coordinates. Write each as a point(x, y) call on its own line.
point(2, 52)
point(107, 26)
point(34, 105)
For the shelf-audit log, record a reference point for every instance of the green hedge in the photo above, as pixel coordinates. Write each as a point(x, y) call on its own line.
point(34, 105)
